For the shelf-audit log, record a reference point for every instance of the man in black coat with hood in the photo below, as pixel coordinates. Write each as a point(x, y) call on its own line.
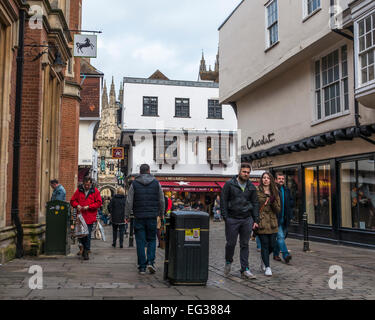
point(117, 210)
point(240, 211)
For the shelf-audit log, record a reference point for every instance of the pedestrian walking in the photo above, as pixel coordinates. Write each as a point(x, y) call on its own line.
point(59, 192)
point(216, 209)
point(286, 214)
point(146, 202)
point(269, 203)
point(240, 211)
point(116, 208)
point(87, 200)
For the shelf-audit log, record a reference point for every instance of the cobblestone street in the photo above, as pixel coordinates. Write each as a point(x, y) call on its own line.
point(112, 274)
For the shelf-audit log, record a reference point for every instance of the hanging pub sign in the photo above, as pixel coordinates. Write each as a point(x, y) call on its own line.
point(85, 45)
point(118, 153)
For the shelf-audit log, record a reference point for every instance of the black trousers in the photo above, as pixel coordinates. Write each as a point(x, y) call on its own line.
point(121, 229)
point(268, 243)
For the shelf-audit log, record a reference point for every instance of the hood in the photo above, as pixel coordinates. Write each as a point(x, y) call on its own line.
point(145, 179)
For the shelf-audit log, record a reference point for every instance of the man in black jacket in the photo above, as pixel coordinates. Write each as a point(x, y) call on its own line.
point(146, 201)
point(284, 218)
point(240, 211)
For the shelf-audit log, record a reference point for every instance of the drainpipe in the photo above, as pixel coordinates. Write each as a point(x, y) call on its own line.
point(16, 140)
point(357, 116)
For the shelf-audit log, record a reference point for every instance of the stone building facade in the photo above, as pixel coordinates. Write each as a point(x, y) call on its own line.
point(39, 100)
point(107, 137)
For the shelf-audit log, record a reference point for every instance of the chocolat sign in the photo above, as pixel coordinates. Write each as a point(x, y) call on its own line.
point(251, 143)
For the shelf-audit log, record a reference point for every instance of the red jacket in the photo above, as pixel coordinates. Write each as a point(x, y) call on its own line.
point(93, 200)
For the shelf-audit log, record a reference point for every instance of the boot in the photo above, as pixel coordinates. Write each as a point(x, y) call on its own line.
point(80, 252)
point(85, 254)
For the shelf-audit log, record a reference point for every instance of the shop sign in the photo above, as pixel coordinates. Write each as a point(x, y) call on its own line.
point(262, 164)
point(251, 143)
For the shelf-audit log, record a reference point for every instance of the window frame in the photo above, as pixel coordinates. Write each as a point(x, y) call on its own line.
point(268, 26)
point(188, 108)
point(150, 105)
point(305, 6)
point(343, 82)
point(359, 53)
point(215, 107)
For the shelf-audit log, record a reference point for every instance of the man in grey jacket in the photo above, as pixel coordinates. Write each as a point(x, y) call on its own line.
point(145, 201)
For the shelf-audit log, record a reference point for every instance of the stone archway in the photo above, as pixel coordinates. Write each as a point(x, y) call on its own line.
point(107, 191)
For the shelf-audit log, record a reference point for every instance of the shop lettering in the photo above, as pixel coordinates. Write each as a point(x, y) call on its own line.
point(251, 143)
point(262, 164)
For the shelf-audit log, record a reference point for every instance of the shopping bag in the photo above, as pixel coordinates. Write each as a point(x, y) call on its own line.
point(99, 231)
point(81, 230)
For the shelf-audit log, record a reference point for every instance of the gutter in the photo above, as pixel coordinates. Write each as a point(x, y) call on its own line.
point(17, 136)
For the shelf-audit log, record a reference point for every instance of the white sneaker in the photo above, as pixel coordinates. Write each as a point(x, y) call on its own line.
point(262, 266)
point(268, 272)
point(227, 268)
point(247, 275)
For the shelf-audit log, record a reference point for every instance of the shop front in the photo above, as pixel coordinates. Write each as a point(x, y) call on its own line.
point(334, 186)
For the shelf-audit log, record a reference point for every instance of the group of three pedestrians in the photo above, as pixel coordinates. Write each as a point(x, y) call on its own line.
point(266, 210)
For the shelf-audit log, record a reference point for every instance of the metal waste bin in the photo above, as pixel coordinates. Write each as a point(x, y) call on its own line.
point(57, 228)
point(187, 248)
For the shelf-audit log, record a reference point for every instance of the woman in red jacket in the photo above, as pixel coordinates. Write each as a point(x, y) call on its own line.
point(87, 200)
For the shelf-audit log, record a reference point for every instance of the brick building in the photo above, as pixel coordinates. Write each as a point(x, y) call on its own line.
point(47, 96)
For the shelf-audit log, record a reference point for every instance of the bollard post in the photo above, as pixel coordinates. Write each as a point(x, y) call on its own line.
point(306, 245)
point(131, 232)
point(166, 239)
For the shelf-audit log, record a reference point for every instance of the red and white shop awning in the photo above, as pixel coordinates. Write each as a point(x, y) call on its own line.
point(190, 186)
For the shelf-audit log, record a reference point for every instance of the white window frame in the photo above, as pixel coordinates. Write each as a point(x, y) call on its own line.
point(267, 27)
point(358, 54)
point(305, 8)
point(343, 111)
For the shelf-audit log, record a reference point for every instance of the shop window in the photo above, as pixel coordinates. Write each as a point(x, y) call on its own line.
point(318, 194)
point(357, 183)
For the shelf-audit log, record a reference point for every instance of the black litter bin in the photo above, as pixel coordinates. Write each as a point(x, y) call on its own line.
point(57, 228)
point(187, 248)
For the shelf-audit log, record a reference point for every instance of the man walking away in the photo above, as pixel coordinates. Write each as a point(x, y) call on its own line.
point(285, 216)
point(87, 200)
point(239, 209)
point(59, 192)
point(146, 201)
point(117, 210)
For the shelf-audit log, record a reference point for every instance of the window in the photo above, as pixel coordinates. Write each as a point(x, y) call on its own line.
point(366, 43)
point(182, 108)
point(218, 149)
point(310, 6)
point(214, 109)
point(331, 84)
point(272, 23)
point(150, 106)
point(166, 149)
point(357, 186)
point(318, 194)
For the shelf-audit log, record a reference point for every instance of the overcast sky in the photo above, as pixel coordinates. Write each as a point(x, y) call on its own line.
point(141, 36)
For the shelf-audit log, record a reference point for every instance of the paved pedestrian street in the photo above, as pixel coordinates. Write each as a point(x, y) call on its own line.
point(111, 273)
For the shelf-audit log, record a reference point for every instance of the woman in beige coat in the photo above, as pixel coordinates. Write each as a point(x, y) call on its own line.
point(269, 204)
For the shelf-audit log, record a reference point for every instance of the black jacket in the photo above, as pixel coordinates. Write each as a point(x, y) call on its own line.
point(288, 204)
point(239, 204)
point(117, 209)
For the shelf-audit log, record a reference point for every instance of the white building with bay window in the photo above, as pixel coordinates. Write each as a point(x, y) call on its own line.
point(180, 130)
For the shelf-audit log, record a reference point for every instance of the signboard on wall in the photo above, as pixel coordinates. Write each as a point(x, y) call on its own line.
point(85, 45)
point(118, 153)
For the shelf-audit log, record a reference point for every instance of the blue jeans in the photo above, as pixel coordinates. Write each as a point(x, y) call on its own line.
point(281, 245)
point(258, 242)
point(145, 234)
point(86, 241)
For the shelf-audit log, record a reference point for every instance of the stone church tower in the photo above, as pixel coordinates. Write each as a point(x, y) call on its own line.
point(108, 136)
